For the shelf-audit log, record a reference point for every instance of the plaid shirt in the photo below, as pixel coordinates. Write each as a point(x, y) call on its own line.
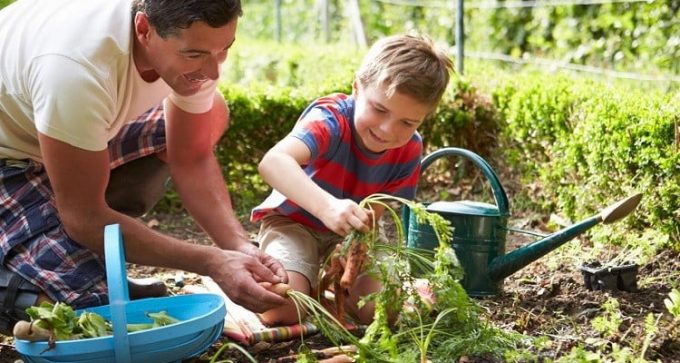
point(33, 242)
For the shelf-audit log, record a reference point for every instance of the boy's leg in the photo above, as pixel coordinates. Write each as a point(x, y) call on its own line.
point(364, 285)
point(297, 250)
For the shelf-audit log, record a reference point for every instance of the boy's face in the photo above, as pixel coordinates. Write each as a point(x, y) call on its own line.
point(383, 122)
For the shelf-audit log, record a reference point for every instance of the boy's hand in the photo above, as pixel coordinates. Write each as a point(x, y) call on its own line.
point(344, 215)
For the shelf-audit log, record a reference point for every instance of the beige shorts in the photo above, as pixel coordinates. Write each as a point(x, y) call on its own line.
point(298, 247)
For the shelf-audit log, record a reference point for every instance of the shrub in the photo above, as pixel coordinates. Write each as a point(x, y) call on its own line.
point(589, 145)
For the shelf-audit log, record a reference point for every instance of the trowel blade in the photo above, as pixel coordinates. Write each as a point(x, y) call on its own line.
point(620, 209)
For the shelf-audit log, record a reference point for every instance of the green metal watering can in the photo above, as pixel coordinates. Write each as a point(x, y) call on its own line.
point(480, 230)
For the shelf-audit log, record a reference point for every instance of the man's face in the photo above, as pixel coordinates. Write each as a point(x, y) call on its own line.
point(383, 122)
point(189, 58)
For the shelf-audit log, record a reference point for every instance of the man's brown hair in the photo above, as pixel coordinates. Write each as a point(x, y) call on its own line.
point(169, 16)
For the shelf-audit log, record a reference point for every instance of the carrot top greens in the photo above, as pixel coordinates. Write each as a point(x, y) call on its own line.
point(441, 322)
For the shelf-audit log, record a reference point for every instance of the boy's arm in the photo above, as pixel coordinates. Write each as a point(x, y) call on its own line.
point(281, 169)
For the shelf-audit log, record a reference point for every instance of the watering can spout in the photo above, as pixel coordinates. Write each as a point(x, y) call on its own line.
point(505, 265)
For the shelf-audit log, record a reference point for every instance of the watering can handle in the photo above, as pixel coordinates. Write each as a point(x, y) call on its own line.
point(497, 188)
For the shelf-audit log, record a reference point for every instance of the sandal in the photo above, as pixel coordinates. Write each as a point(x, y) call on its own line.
point(16, 294)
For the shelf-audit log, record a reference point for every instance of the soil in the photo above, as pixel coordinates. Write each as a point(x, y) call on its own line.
point(547, 298)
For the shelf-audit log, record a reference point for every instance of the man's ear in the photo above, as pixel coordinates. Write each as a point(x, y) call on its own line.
point(142, 28)
point(355, 87)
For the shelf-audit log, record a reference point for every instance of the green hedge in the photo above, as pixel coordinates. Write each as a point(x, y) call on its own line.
point(589, 145)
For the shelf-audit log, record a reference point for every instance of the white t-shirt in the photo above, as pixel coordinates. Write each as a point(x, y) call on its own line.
point(66, 70)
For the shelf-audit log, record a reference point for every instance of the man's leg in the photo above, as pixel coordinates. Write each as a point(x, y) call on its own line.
point(16, 294)
point(138, 177)
point(139, 174)
point(37, 259)
point(135, 187)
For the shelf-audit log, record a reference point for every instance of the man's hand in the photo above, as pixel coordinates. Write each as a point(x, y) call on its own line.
point(238, 275)
point(344, 215)
point(278, 273)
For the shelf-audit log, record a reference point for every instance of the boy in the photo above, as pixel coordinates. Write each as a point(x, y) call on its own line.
point(343, 149)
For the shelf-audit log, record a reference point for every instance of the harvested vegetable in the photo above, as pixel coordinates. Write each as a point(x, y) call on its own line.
point(340, 295)
point(356, 256)
point(28, 331)
point(280, 288)
point(54, 322)
point(331, 274)
point(159, 319)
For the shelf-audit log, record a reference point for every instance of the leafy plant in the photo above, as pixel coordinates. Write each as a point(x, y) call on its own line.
point(608, 323)
point(673, 303)
point(54, 322)
point(651, 329)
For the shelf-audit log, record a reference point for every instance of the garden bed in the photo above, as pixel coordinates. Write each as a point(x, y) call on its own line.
point(545, 299)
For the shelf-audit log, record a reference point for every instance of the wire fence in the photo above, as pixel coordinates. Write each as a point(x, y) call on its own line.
point(507, 4)
point(461, 53)
point(548, 63)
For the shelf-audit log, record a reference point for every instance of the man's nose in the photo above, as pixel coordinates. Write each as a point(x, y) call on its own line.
point(211, 68)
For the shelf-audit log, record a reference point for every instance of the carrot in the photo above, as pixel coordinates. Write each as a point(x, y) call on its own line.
point(339, 301)
point(355, 260)
point(331, 274)
point(280, 288)
point(342, 358)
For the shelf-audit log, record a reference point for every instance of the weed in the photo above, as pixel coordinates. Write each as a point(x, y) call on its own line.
point(608, 323)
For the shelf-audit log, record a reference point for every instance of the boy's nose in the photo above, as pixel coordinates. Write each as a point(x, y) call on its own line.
point(387, 127)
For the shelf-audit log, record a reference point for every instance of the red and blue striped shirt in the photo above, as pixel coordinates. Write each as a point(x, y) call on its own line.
point(341, 165)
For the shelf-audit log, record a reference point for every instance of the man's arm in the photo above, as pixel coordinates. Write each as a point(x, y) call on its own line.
point(79, 178)
point(281, 168)
point(197, 175)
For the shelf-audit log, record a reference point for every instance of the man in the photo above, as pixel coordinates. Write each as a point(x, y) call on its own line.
point(75, 154)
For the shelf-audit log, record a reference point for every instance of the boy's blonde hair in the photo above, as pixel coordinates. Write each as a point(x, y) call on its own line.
point(408, 64)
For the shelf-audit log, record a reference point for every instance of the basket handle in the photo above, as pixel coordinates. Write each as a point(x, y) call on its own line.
point(498, 192)
point(119, 295)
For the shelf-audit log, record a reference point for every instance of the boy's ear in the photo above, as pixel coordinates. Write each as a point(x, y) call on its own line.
point(355, 87)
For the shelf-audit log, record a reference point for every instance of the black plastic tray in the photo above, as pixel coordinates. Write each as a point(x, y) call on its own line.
point(598, 277)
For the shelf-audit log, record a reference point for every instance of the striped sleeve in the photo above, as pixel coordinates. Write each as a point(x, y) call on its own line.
point(320, 126)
